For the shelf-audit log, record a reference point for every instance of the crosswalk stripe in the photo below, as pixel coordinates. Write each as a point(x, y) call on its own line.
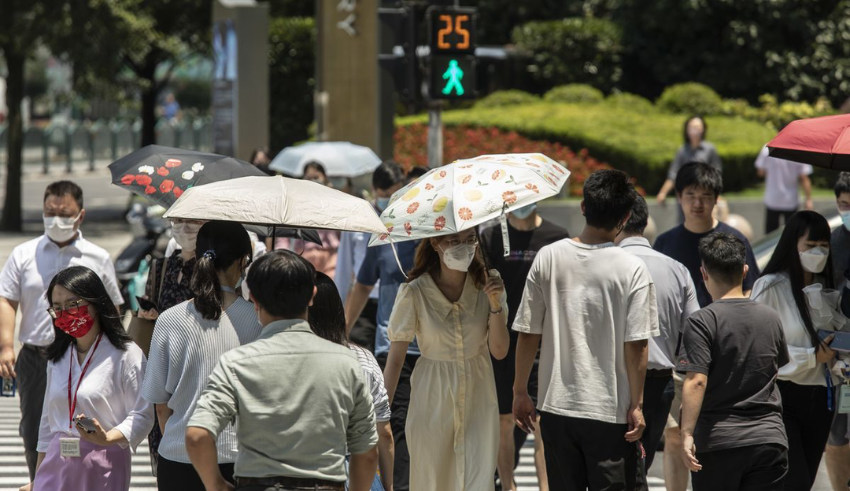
point(13, 467)
point(13, 464)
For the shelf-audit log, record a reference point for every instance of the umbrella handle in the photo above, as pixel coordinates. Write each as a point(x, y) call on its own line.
point(506, 241)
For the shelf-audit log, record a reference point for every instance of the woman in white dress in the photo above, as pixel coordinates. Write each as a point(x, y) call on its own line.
point(458, 315)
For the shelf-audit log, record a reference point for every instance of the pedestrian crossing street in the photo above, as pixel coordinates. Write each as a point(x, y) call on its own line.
point(13, 467)
point(526, 476)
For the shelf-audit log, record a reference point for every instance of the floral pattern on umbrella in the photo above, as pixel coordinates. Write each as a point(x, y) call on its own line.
point(468, 192)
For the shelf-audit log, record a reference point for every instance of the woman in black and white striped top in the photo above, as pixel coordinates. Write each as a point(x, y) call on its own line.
point(188, 341)
point(327, 319)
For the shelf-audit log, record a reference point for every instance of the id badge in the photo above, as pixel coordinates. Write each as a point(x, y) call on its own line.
point(844, 399)
point(70, 447)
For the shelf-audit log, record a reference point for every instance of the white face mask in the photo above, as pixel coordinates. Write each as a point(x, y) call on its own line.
point(60, 229)
point(845, 219)
point(186, 235)
point(814, 260)
point(459, 257)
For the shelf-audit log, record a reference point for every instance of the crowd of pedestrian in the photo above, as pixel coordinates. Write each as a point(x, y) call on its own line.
point(424, 365)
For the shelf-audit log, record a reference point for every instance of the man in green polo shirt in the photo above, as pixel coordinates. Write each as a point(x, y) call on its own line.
point(301, 403)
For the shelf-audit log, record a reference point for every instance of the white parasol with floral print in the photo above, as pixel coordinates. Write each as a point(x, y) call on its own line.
point(469, 192)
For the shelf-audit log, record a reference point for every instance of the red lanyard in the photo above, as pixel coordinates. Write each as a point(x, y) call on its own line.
point(72, 405)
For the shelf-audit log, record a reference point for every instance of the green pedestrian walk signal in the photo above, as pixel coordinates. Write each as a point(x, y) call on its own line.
point(454, 75)
point(452, 53)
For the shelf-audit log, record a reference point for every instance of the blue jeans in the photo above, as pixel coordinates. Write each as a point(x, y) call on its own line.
point(376, 483)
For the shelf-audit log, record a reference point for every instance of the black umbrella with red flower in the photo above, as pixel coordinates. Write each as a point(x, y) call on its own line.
point(161, 174)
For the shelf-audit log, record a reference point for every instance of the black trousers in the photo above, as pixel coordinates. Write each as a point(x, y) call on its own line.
point(586, 454)
point(751, 468)
point(658, 394)
point(807, 424)
point(31, 371)
point(401, 401)
point(177, 476)
point(771, 223)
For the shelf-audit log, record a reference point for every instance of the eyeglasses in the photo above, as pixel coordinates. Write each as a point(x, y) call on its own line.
point(72, 308)
point(180, 221)
point(472, 241)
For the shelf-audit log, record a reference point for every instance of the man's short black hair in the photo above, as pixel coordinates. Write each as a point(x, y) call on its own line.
point(61, 188)
point(416, 172)
point(282, 282)
point(701, 176)
point(387, 175)
point(842, 185)
point(636, 223)
point(723, 256)
point(607, 198)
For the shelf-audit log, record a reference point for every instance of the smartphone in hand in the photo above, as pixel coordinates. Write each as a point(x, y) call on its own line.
point(87, 425)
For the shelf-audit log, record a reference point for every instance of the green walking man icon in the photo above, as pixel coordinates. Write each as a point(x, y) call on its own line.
point(454, 75)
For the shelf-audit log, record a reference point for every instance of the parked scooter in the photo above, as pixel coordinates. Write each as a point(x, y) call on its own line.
point(151, 234)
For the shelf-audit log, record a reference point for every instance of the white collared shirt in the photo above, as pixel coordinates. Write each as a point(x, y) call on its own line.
point(29, 270)
point(110, 392)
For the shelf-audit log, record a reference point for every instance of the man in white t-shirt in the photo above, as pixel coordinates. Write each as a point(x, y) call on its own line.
point(782, 179)
point(23, 283)
point(593, 307)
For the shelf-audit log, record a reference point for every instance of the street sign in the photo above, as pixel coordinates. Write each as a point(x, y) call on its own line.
point(452, 40)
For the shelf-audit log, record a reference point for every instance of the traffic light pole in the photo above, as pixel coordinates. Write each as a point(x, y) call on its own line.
point(435, 134)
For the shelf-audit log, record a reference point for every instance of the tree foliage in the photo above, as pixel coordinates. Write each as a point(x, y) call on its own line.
point(292, 69)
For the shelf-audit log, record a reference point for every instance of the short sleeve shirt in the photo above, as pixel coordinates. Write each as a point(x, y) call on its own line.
point(515, 266)
point(586, 301)
point(704, 153)
point(782, 179)
point(683, 245)
point(740, 345)
point(380, 265)
point(29, 270)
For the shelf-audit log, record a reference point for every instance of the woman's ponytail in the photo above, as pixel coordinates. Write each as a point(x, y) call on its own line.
point(220, 244)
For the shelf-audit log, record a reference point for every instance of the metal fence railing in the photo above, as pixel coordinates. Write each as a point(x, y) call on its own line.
point(87, 143)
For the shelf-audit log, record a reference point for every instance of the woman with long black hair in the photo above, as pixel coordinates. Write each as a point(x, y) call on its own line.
point(695, 148)
point(327, 319)
point(187, 343)
point(93, 410)
point(797, 283)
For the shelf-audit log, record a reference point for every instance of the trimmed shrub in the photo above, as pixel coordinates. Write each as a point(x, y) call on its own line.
point(462, 142)
point(626, 100)
point(690, 98)
point(504, 98)
point(292, 68)
point(639, 142)
point(580, 93)
point(573, 50)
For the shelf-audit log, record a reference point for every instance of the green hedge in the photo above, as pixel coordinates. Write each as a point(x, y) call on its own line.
point(641, 143)
point(502, 98)
point(691, 98)
point(579, 93)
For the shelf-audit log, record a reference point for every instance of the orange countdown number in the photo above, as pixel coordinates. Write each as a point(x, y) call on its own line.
point(442, 33)
point(464, 33)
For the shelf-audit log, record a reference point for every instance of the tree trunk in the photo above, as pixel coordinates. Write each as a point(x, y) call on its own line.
point(149, 97)
point(12, 219)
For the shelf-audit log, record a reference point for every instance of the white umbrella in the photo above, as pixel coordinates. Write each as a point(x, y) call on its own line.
point(340, 159)
point(277, 201)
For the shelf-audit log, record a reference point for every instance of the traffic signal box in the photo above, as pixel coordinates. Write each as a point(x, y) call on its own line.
point(452, 61)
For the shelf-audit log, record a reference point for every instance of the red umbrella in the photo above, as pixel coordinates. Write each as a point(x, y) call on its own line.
point(823, 142)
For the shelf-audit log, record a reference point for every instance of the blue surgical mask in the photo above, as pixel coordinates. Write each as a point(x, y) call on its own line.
point(382, 203)
point(845, 218)
point(525, 211)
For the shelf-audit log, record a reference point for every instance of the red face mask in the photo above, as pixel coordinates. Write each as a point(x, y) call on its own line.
point(76, 325)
